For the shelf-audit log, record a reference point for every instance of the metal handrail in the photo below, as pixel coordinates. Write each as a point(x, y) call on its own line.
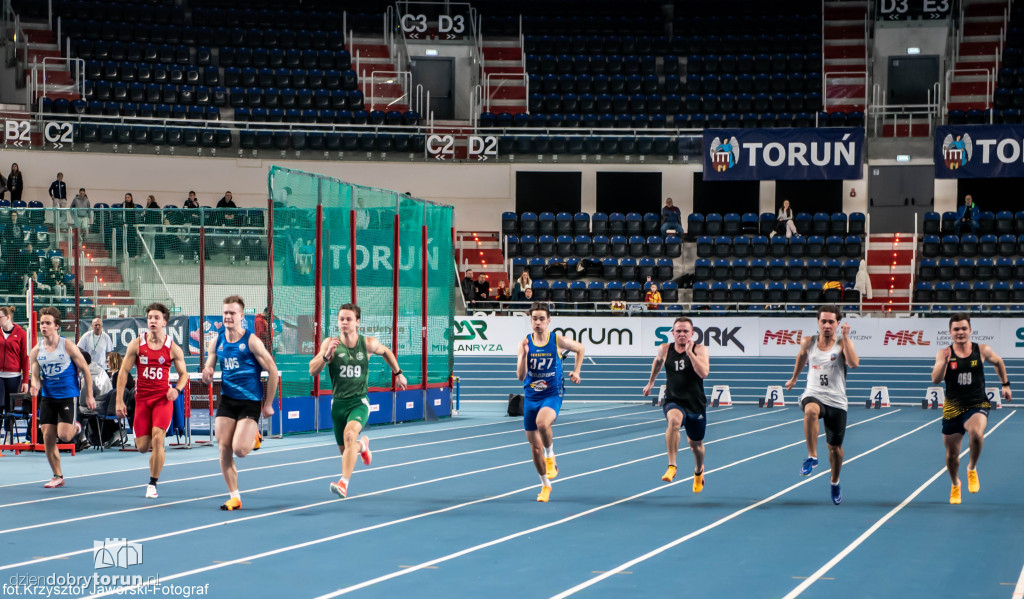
point(404, 80)
point(488, 91)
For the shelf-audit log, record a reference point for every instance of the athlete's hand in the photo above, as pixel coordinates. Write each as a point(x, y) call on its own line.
point(401, 382)
point(846, 330)
point(689, 347)
point(24, 388)
point(574, 377)
point(947, 353)
point(172, 394)
point(33, 390)
point(90, 401)
point(268, 409)
point(790, 383)
point(121, 410)
point(331, 346)
point(208, 374)
point(1006, 394)
point(647, 389)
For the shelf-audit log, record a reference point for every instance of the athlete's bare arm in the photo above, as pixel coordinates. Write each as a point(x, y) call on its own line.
point(524, 349)
point(990, 356)
point(577, 348)
point(700, 359)
point(852, 359)
point(941, 362)
point(211, 361)
point(259, 351)
point(376, 347)
point(801, 361)
point(659, 361)
point(178, 358)
point(327, 347)
point(76, 356)
point(127, 364)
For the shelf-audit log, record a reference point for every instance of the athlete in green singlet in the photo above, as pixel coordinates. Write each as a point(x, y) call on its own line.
point(347, 358)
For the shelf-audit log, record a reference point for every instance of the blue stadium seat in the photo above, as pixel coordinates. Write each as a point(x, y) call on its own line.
point(637, 246)
point(1006, 245)
point(741, 246)
point(833, 269)
point(563, 223)
point(740, 269)
point(1003, 269)
point(796, 270)
point(853, 247)
point(984, 269)
point(528, 223)
point(634, 292)
point(969, 245)
point(705, 246)
point(528, 246)
point(779, 247)
point(563, 246)
point(759, 246)
point(927, 270)
point(721, 269)
point(509, 223)
point(582, 246)
point(617, 223)
point(601, 246)
point(695, 224)
point(850, 268)
point(802, 221)
point(664, 269)
point(702, 269)
point(731, 224)
point(673, 246)
point(713, 224)
point(797, 246)
point(931, 223)
point(511, 245)
point(950, 246)
point(581, 223)
point(619, 246)
point(723, 246)
point(776, 269)
point(599, 223)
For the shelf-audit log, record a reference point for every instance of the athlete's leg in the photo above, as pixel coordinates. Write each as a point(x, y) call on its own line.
point(245, 436)
point(545, 418)
point(156, 461)
point(812, 412)
point(674, 417)
point(537, 451)
point(697, 447)
point(350, 452)
point(835, 461)
point(225, 431)
point(975, 427)
point(50, 443)
point(953, 443)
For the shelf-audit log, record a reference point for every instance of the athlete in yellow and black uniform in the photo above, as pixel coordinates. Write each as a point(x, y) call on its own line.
point(966, 406)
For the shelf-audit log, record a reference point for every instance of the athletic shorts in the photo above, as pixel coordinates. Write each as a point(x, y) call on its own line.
point(955, 425)
point(533, 405)
point(695, 423)
point(239, 409)
point(835, 421)
point(54, 411)
point(345, 411)
point(150, 414)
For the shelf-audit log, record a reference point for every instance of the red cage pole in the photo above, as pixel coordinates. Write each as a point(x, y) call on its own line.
point(31, 313)
point(425, 347)
point(352, 252)
point(76, 253)
point(394, 299)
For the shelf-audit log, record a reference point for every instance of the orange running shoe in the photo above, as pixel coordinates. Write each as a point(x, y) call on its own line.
point(552, 468)
point(669, 475)
point(544, 495)
point(56, 481)
point(973, 484)
point(698, 481)
point(258, 442)
point(232, 504)
point(365, 453)
point(340, 489)
point(954, 495)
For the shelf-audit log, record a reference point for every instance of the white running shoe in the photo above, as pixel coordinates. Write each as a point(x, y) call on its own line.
point(151, 492)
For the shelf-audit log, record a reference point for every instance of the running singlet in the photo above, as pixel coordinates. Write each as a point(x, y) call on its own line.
point(154, 366)
point(682, 385)
point(58, 373)
point(240, 372)
point(349, 370)
point(543, 368)
point(965, 384)
point(826, 375)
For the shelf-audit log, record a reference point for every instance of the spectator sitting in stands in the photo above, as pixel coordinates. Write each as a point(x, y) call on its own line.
point(14, 233)
point(653, 297)
point(468, 287)
point(37, 285)
point(522, 284)
point(129, 201)
point(482, 289)
point(55, 277)
point(784, 221)
point(527, 299)
point(227, 218)
point(191, 202)
point(671, 219)
point(502, 294)
point(967, 217)
point(151, 202)
point(304, 256)
point(114, 360)
point(28, 260)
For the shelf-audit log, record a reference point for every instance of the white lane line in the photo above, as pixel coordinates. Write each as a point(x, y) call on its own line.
point(1018, 591)
point(319, 445)
point(627, 565)
point(800, 588)
point(121, 590)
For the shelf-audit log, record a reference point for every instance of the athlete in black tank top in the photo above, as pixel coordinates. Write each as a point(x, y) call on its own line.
point(966, 407)
point(685, 402)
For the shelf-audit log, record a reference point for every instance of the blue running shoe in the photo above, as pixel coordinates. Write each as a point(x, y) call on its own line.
point(837, 494)
point(808, 465)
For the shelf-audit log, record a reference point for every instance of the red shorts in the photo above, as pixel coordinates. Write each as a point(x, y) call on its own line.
point(150, 413)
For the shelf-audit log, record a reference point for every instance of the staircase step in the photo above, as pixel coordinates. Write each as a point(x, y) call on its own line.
point(906, 130)
point(512, 69)
point(845, 65)
point(845, 51)
point(972, 63)
point(985, 9)
point(980, 104)
point(512, 107)
point(40, 36)
point(980, 27)
point(370, 50)
point(845, 90)
point(845, 11)
point(508, 92)
point(986, 48)
point(891, 283)
point(968, 88)
point(844, 31)
point(501, 53)
point(368, 68)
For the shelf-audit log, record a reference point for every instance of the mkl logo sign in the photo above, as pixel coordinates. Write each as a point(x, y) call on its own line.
point(956, 153)
point(783, 337)
point(905, 338)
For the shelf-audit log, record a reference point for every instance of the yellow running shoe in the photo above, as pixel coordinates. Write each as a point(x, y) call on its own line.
point(698, 481)
point(544, 495)
point(973, 484)
point(954, 495)
point(231, 505)
point(552, 468)
point(669, 474)
point(258, 442)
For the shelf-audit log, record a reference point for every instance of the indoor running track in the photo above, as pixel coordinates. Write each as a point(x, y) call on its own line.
point(448, 510)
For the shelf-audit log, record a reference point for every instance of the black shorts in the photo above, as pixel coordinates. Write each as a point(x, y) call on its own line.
point(239, 409)
point(955, 425)
point(54, 411)
point(835, 421)
point(695, 423)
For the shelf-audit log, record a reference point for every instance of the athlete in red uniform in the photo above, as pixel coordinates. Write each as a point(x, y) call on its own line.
point(154, 396)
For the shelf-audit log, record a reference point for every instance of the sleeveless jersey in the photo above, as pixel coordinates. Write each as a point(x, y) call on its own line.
point(154, 366)
point(240, 371)
point(965, 384)
point(349, 371)
point(543, 368)
point(826, 375)
point(682, 384)
point(58, 373)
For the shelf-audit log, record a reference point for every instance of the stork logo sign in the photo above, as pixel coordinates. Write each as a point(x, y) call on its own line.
point(957, 150)
point(725, 154)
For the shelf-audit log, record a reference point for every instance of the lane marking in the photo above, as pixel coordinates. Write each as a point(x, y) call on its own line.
point(877, 525)
point(533, 487)
point(381, 491)
point(629, 564)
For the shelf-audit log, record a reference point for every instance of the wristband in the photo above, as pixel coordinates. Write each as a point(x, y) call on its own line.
point(1006, 384)
point(399, 372)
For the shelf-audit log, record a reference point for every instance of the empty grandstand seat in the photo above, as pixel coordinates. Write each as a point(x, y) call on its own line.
point(1006, 245)
point(931, 224)
point(797, 246)
point(582, 246)
point(541, 290)
point(695, 224)
point(537, 267)
point(634, 223)
point(617, 223)
point(930, 246)
point(942, 292)
point(546, 246)
point(759, 246)
point(563, 246)
point(705, 246)
point(563, 223)
point(723, 246)
point(969, 245)
point(833, 269)
point(776, 292)
point(948, 225)
point(984, 269)
point(528, 245)
point(601, 246)
point(702, 269)
point(802, 222)
point(853, 246)
point(837, 224)
point(1003, 269)
point(741, 246)
point(528, 223)
point(713, 224)
point(776, 269)
point(945, 269)
point(581, 223)
point(922, 292)
point(509, 223)
point(655, 246)
point(731, 223)
point(559, 292)
point(779, 247)
point(962, 292)
point(546, 223)
point(673, 246)
point(927, 271)
point(599, 223)
point(796, 270)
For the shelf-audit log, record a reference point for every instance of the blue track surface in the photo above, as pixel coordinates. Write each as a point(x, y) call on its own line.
point(447, 510)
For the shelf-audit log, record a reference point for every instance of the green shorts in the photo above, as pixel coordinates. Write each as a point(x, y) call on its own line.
point(344, 411)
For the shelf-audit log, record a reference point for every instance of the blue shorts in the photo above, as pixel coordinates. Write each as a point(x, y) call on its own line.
point(695, 423)
point(533, 405)
point(955, 425)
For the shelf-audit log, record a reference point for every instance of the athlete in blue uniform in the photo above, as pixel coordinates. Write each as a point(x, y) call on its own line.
point(55, 368)
point(540, 368)
point(242, 357)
